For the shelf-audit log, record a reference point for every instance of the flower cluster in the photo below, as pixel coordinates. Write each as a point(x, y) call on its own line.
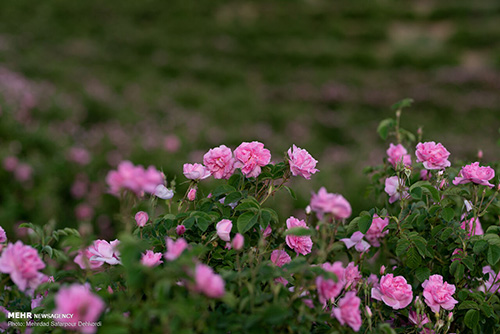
point(134, 178)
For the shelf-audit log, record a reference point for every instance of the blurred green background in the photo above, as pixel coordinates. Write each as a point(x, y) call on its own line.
point(161, 82)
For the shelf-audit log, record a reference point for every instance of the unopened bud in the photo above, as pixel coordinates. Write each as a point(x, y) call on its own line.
point(480, 154)
point(369, 313)
point(450, 317)
point(191, 194)
point(308, 210)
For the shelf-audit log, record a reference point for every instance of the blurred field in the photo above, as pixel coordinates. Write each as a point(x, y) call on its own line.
point(126, 79)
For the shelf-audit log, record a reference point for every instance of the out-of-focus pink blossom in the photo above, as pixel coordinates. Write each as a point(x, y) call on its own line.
point(425, 175)
point(175, 248)
point(376, 230)
point(351, 276)
point(468, 225)
point(23, 172)
point(393, 189)
point(79, 155)
point(434, 156)
point(180, 229)
point(238, 241)
point(328, 289)
point(250, 157)
point(208, 282)
point(134, 178)
point(480, 154)
point(397, 153)
point(80, 186)
point(195, 171)
point(141, 218)
point(84, 211)
point(10, 163)
point(476, 174)
point(85, 306)
point(300, 244)
point(301, 162)
point(151, 259)
point(357, 241)
point(106, 252)
point(393, 291)
point(326, 203)
point(219, 162)
point(348, 311)
point(83, 259)
point(224, 229)
point(37, 300)
point(192, 194)
point(3, 235)
point(171, 143)
point(280, 257)
point(22, 263)
point(438, 294)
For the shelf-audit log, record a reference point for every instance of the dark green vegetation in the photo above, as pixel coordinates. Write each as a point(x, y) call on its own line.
point(320, 74)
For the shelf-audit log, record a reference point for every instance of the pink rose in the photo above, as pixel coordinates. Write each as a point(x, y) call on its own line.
point(327, 203)
point(83, 304)
point(468, 225)
point(493, 283)
point(141, 218)
point(438, 294)
point(376, 230)
point(280, 258)
point(300, 244)
point(79, 155)
point(191, 194)
point(83, 259)
point(133, 178)
point(171, 143)
point(328, 289)
point(207, 282)
point(3, 235)
point(434, 156)
point(163, 192)
point(104, 251)
point(180, 229)
point(393, 291)
point(393, 189)
point(267, 231)
point(174, 248)
point(357, 241)
point(418, 320)
point(425, 175)
point(397, 153)
point(151, 259)
point(348, 311)
point(250, 157)
point(238, 241)
point(476, 174)
point(10, 163)
point(195, 171)
point(22, 263)
point(224, 229)
point(220, 162)
point(301, 162)
point(351, 276)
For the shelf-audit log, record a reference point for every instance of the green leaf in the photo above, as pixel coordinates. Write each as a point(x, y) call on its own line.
point(448, 214)
point(232, 197)
point(446, 233)
point(291, 192)
point(480, 246)
point(493, 254)
point(422, 273)
point(471, 318)
point(202, 223)
point(272, 213)
point(364, 223)
point(413, 259)
point(467, 305)
point(492, 239)
point(223, 189)
point(487, 309)
point(405, 103)
point(248, 204)
point(416, 193)
point(384, 127)
point(246, 221)
point(188, 223)
point(48, 250)
point(402, 247)
point(469, 262)
point(493, 230)
point(421, 245)
point(299, 231)
point(433, 191)
point(459, 273)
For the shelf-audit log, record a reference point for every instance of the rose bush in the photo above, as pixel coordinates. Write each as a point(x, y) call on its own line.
point(222, 261)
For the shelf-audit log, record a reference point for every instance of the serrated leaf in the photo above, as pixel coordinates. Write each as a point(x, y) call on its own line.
point(299, 231)
point(416, 193)
point(202, 223)
point(223, 189)
point(492, 239)
point(232, 197)
point(480, 246)
point(493, 254)
point(448, 214)
point(402, 247)
point(421, 246)
point(459, 273)
point(493, 230)
point(422, 273)
point(467, 305)
point(413, 259)
point(486, 309)
point(246, 221)
point(471, 318)
point(188, 223)
point(446, 233)
point(469, 262)
point(384, 127)
point(433, 191)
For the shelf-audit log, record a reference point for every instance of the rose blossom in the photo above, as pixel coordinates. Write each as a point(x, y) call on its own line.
point(151, 259)
point(356, 240)
point(348, 311)
point(392, 188)
point(300, 244)
point(468, 225)
point(3, 235)
point(174, 248)
point(393, 291)
point(327, 203)
point(191, 194)
point(250, 157)
point(351, 276)
point(180, 229)
point(376, 230)
point(493, 282)
point(476, 174)
point(133, 178)
point(195, 171)
point(396, 153)
point(22, 263)
point(301, 162)
point(238, 241)
point(280, 258)
point(79, 155)
point(438, 294)
point(208, 282)
point(224, 229)
point(83, 259)
point(434, 156)
point(267, 231)
point(163, 192)
point(83, 304)
point(220, 162)
point(328, 289)
point(141, 218)
point(104, 251)
point(418, 320)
